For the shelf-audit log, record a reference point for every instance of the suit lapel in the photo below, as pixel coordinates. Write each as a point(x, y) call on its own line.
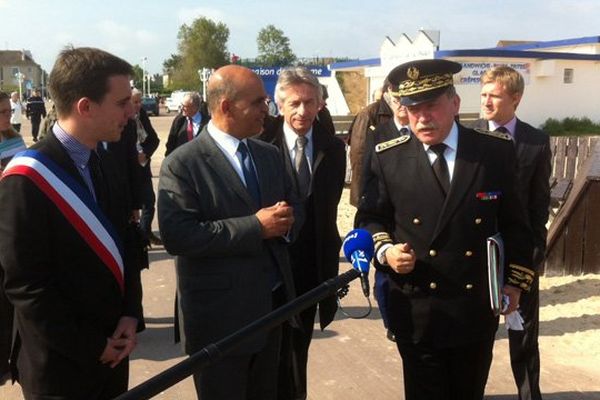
point(465, 169)
point(223, 168)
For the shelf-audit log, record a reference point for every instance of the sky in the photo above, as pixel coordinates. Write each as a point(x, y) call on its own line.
point(349, 28)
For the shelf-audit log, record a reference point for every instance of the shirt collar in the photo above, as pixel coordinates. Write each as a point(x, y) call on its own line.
point(511, 126)
point(197, 118)
point(225, 141)
point(79, 153)
point(290, 136)
point(451, 140)
point(399, 126)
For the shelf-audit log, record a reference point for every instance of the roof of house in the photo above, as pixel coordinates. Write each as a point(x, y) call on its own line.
point(16, 57)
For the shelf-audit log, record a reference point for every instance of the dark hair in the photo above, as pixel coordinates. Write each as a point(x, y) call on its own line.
point(83, 72)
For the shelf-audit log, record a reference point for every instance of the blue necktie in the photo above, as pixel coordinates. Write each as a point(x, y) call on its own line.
point(243, 155)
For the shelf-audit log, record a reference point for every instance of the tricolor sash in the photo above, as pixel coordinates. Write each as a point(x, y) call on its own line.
point(76, 203)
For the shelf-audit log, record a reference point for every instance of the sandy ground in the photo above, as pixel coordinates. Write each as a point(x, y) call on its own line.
point(352, 359)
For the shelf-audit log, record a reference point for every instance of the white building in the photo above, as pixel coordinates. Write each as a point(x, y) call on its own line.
point(560, 76)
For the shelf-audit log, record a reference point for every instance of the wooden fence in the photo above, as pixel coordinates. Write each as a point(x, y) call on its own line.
point(573, 245)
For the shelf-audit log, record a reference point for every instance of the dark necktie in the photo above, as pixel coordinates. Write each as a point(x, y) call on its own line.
point(440, 167)
point(190, 129)
point(403, 131)
point(97, 179)
point(249, 173)
point(301, 165)
point(502, 129)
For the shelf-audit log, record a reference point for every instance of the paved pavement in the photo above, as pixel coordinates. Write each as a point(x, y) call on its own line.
point(351, 360)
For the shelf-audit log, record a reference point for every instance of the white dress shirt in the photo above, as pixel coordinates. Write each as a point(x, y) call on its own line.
point(290, 141)
point(229, 145)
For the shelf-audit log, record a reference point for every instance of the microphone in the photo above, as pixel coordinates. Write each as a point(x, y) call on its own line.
point(359, 248)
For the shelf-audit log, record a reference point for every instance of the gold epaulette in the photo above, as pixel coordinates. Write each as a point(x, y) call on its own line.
point(499, 135)
point(520, 276)
point(391, 143)
point(381, 238)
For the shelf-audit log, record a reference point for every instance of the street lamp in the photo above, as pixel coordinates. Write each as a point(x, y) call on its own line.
point(204, 75)
point(144, 93)
point(20, 77)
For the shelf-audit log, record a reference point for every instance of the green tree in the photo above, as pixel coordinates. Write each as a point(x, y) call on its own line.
point(171, 64)
point(138, 76)
point(273, 47)
point(201, 44)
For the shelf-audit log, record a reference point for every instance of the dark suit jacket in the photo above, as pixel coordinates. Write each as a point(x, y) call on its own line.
point(534, 167)
point(315, 253)
point(178, 132)
point(125, 154)
point(66, 300)
point(149, 145)
point(207, 220)
point(444, 301)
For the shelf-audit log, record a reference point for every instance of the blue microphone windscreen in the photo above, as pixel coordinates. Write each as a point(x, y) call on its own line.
point(358, 239)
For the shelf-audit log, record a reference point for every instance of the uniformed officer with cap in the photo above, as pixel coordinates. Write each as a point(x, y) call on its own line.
point(435, 197)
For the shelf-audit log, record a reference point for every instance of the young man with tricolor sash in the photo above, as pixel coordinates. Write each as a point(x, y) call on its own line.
point(68, 272)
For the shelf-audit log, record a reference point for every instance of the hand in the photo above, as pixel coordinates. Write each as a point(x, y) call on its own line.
point(514, 295)
point(135, 216)
point(142, 159)
point(123, 340)
point(401, 258)
point(112, 351)
point(276, 220)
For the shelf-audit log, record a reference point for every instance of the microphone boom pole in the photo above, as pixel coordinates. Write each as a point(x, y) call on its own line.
point(215, 351)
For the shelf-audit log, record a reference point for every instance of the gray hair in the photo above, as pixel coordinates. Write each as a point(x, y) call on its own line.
point(295, 76)
point(136, 92)
point(195, 97)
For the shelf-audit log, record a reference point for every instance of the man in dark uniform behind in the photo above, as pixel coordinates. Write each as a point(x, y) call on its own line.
point(435, 197)
point(501, 92)
point(35, 111)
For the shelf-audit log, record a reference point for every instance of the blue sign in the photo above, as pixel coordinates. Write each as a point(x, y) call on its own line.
point(269, 75)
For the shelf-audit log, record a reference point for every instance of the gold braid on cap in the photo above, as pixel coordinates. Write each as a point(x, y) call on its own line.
point(425, 84)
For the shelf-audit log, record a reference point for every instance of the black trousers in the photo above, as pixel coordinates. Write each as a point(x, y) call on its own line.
point(294, 357)
point(113, 384)
point(247, 377)
point(148, 209)
point(458, 373)
point(35, 127)
point(524, 348)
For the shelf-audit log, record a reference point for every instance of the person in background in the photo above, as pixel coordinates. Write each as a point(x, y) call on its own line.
point(189, 123)
point(10, 143)
point(501, 92)
point(16, 107)
point(147, 142)
point(315, 160)
point(363, 125)
point(224, 207)
point(324, 116)
point(35, 111)
point(48, 123)
point(67, 269)
point(435, 198)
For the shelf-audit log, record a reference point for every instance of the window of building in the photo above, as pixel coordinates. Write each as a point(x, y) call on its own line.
point(568, 75)
point(15, 70)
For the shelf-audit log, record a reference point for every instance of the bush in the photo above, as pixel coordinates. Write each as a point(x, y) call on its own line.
point(570, 126)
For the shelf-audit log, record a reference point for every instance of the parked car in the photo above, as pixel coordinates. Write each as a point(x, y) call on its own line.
point(173, 102)
point(150, 104)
